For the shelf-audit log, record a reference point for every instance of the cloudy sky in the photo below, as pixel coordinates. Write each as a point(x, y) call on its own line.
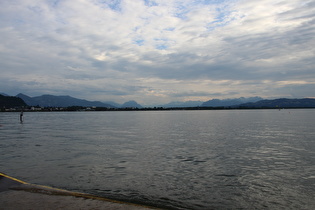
point(157, 51)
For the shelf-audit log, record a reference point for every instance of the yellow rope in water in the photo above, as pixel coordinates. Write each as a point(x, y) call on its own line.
point(9, 177)
point(57, 191)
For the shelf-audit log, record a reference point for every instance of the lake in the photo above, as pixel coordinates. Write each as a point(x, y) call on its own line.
point(211, 159)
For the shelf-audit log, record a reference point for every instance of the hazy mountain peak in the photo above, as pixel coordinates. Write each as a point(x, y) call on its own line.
point(131, 104)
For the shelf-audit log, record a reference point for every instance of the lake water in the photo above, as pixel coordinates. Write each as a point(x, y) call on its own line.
point(216, 159)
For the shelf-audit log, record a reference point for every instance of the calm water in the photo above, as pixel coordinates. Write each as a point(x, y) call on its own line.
point(229, 159)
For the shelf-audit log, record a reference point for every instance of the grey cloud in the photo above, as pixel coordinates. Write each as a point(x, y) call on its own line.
point(200, 93)
point(301, 12)
point(295, 90)
point(106, 91)
point(99, 46)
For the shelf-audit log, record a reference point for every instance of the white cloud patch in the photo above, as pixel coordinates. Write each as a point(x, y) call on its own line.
point(158, 51)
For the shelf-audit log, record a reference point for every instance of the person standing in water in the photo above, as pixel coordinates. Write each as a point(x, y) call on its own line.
point(21, 116)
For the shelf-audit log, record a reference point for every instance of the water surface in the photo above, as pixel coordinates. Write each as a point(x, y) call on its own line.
point(216, 159)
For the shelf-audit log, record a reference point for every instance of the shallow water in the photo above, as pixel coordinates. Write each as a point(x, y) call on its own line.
point(216, 159)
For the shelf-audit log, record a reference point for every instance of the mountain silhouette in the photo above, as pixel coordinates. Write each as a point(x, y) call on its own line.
point(60, 101)
point(131, 104)
point(11, 102)
point(229, 102)
point(282, 103)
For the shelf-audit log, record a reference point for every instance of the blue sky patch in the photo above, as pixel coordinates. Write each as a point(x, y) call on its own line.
point(150, 3)
point(139, 42)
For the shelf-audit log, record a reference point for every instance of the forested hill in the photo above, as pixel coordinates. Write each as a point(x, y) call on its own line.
point(11, 102)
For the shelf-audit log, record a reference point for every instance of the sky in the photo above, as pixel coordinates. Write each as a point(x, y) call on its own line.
point(158, 51)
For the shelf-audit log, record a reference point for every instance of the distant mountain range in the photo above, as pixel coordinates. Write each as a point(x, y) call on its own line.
point(229, 102)
point(281, 103)
point(60, 101)
point(212, 103)
point(67, 101)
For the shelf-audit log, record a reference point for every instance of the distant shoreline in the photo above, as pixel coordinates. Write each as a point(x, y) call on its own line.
point(89, 109)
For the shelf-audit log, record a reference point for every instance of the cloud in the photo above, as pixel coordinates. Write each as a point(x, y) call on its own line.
point(156, 51)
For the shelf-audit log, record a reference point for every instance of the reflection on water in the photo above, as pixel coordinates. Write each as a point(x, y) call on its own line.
point(176, 159)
